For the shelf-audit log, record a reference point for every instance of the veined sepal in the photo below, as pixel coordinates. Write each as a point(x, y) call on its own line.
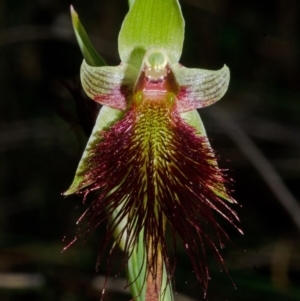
point(110, 86)
point(199, 87)
point(150, 24)
point(107, 117)
point(114, 86)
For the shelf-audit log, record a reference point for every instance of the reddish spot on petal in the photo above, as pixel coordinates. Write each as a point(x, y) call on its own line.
point(118, 98)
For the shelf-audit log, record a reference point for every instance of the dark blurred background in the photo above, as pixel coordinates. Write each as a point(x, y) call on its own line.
point(44, 124)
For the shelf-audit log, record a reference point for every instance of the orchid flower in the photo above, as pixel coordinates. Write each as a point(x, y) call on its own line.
point(148, 163)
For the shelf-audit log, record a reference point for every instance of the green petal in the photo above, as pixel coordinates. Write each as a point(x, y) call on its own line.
point(193, 119)
point(200, 88)
point(106, 118)
point(111, 86)
point(149, 24)
point(136, 267)
point(88, 51)
point(137, 270)
point(167, 295)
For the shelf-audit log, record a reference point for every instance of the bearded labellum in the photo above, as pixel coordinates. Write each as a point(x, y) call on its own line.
point(148, 160)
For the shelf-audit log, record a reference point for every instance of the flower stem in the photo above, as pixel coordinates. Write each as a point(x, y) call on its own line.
point(154, 278)
point(155, 282)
